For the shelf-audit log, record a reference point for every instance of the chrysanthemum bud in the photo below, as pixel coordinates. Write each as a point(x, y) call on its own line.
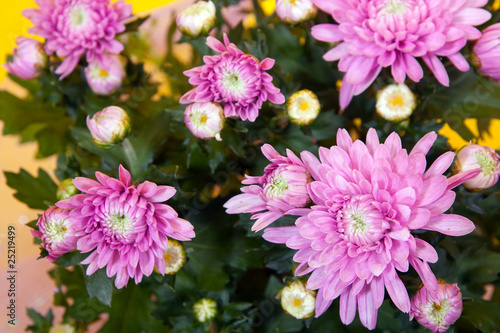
point(62, 328)
point(395, 102)
point(297, 300)
point(486, 52)
point(175, 257)
point(109, 126)
point(56, 231)
point(475, 156)
point(105, 81)
point(28, 59)
point(66, 189)
point(303, 107)
point(437, 311)
point(295, 11)
point(205, 309)
point(205, 120)
point(197, 19)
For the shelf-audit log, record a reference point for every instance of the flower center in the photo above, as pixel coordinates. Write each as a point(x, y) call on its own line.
point(395, 7)
point(276, 186)
point(56, 230)
point(78, 16)
point(233, 83)
point(360, 222)
point(119, 223)
point(486, 163)
point(103, 73)
point(437, 312)
point(304, 105)
point(198, 118)
point(397, 101)
point(297, 302)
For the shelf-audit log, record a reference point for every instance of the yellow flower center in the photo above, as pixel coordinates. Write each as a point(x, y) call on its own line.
point(297, 302)
point(397, 101)
point(203, 119)
point(103, 73)
point(304, 106)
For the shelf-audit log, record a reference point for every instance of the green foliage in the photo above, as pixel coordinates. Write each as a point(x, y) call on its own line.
point(37, 193)
point(41, 324)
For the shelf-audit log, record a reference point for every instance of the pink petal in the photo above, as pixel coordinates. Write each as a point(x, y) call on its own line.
point(279, 235)
point(124, 175)
point(425, 251)
point(163, 193)
point(85, 184)
point(396, 290)
point(347, 307)
point(424, 144)
point(450, 224)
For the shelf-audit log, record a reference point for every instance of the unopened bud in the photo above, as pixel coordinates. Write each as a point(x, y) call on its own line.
point(109, 126)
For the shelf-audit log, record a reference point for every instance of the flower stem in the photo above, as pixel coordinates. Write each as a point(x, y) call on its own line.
point(131, 157)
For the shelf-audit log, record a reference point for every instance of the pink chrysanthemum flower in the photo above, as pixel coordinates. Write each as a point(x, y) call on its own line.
point(281, 189)
point(356, 236)
point(437, 310)
point(125, 227)
point(234, 78)
point(486, 52)
point(382, 33)
point(75, 27)
point(57, 232)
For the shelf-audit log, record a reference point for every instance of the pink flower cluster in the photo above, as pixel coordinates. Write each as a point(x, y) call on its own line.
point(124, 227)
point(357, 206)
point(375, 34)
point(74, 28)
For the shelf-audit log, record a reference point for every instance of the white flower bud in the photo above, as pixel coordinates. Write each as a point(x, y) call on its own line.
point(205, 309)
point(303, 107)
point(197, 19)
point(297, 300)
point(295, 11)
point(395, 102)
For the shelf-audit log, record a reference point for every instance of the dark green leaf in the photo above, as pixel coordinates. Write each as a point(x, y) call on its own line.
point(99, 285)
point(37, 193)
point(130, 312)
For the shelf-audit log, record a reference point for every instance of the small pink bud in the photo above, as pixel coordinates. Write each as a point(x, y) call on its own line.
point(28, 59)
point(205, 120)
point(295, 11)
point(105, 81)
point(475, 156)
point(486, 51)
point(197, 19)
point(109, 126)
point(437, 311)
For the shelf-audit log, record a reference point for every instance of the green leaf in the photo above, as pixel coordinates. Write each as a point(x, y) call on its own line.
point(130, 312)
point(326, 125)
point(41, 324)
point(483, 315)
point(37, 193)
point(99, 285)
point(71, 258)
point(44, 122)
